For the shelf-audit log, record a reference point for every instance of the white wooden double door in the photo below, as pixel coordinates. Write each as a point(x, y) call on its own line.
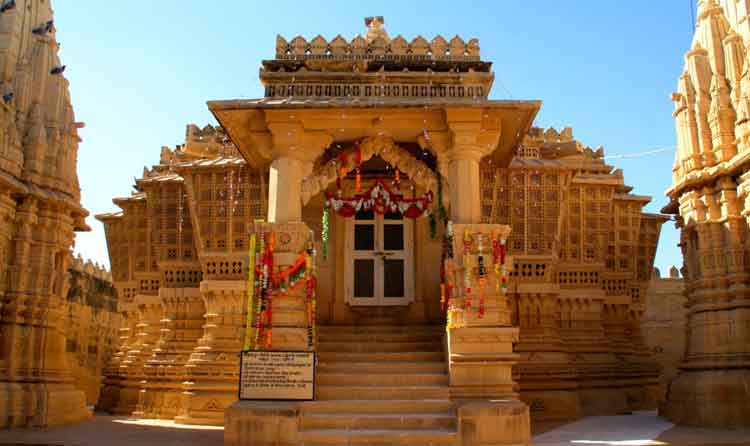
point(379, 264)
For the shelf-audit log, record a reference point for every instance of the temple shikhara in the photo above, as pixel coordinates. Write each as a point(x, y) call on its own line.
point(459, 274)
point(710, 196)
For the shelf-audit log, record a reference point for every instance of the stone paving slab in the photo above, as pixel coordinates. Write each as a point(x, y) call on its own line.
point(639, 429)
point(102, 430)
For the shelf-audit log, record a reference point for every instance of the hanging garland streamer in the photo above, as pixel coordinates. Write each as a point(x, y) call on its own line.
point(381, 199)
point(324, 232)
point(475, 271)
point(265, 283)
point(250, 292)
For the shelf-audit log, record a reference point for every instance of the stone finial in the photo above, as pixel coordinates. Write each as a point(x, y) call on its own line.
point(656, 273)
point(674, 273)
point(375, 29)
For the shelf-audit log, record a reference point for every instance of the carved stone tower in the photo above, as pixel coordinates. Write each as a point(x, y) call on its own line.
point(710, 196)
point(39, 212)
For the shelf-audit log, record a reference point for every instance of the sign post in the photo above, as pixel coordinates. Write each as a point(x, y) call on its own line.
point(277, 375)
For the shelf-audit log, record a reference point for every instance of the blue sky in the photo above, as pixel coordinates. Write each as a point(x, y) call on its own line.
point(140, 71)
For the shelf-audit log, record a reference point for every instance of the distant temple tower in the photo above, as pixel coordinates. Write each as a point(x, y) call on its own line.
point(710, 196)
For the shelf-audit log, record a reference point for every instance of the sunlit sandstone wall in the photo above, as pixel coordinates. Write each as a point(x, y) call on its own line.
point(710, 195)
point(583, 252)
point(39, 212)
point(663, 324)
point(179, 259)
point(92, 325)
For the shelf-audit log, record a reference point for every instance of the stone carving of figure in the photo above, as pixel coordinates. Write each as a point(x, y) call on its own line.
point(375, 29)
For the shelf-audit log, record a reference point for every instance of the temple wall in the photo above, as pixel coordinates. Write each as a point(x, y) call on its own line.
point(92, 326)
point(664, 325)
point(583, 252)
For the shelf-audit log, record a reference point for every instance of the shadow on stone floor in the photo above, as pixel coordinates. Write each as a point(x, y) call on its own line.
point(103, 430)
point(644, 428)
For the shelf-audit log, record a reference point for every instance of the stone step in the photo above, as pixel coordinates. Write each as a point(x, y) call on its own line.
point(381, 367)
point(380, 337)
point(378, 406)
point(328, 357)
point(443, 420)
point(383, 379)
point(379, 437)
point(381, 329)
point(379, 347)
point(344, 392)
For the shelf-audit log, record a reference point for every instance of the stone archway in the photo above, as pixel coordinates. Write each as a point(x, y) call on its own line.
point(418, 171)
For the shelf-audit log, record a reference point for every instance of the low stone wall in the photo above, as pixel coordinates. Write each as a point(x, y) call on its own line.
point(663, 325)
point(91, 327)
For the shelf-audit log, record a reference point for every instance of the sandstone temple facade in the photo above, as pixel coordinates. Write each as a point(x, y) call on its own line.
point(39, 211)
point(710, 196)
point(417, 310)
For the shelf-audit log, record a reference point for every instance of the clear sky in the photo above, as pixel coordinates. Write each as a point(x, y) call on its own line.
point(140, 71)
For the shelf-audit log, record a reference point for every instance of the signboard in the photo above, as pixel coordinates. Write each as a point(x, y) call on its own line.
point(267, 375)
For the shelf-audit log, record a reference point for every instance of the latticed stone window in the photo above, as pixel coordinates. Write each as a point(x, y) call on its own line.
point(528, 200)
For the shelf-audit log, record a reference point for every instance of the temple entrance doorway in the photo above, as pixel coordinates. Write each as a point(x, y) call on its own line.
point(379, 265)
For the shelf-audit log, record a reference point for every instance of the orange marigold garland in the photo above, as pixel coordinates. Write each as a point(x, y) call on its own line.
point(268, 284)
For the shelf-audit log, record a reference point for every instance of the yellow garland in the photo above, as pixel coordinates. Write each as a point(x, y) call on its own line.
point(250, 293)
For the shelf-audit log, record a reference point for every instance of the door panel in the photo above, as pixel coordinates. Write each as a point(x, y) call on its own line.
point(393, 278)
point(379, 259)
point(364, 278)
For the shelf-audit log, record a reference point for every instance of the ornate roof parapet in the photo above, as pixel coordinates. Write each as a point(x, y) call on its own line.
point(378, 46)
point(554, 144)
point(377, 66)
point(90, 268)
point(207, 142)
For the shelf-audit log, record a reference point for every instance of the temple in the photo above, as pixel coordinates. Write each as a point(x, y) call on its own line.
point(710, 198)
point(472, 273)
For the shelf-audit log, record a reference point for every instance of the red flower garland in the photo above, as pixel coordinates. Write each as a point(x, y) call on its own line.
point(381, 199)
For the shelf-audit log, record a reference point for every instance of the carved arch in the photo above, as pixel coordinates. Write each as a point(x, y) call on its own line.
point(323, 175)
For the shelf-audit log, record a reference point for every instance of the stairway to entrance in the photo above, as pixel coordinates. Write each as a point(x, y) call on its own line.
point(380, 385)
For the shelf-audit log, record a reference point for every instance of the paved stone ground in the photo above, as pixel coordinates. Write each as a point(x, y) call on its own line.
point(103, 430)
point(639, 429)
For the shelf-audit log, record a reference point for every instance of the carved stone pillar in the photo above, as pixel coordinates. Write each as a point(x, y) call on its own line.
point(255, 420)
point(284, 189)
point(294, 150)
point(480, 348)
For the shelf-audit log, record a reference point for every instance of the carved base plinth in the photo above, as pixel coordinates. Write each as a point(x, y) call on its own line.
point(41, 405)
point(481, 362)
point(109, 394)
point(161, 398)
point(552, 405)
point(709, 398)
point(494, 423)
point(127, 397)
point(262, 424)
